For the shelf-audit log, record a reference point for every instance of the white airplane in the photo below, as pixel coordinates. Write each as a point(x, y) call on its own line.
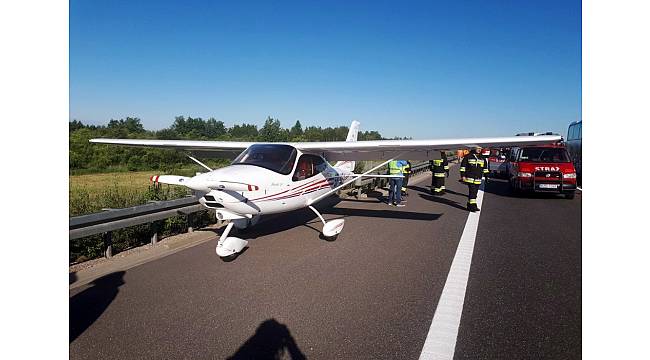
point(268, 178)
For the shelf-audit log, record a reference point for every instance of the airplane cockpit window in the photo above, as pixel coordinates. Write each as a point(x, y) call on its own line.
point(275, 157)
point(308, 166)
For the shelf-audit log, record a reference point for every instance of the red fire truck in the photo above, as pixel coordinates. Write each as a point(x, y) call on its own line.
point(542, 168)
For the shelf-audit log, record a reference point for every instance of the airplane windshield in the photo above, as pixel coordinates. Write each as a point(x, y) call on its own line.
point(275, 157)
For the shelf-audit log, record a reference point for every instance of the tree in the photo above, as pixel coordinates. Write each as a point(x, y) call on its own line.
point(214, 128)
point(296, 130)
point(243, 132)
point(75, 125)
point(272, 131)
point(130, 125)
point(166, 134)
point(313, 133)
point(97, 158)
point(369, 135)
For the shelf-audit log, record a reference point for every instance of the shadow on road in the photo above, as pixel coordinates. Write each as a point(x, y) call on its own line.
point(443, 200)
point(428, 191)
point(88, 305)
point(305, 217)
point(501, 187)
point(384, 213)
point(72, 277)
point(271, 341)
point(277, 223)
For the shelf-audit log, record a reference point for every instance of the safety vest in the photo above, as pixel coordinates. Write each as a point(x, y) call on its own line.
point(393, 168)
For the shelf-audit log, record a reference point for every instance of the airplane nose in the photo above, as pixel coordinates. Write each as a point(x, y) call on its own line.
point(198, 183)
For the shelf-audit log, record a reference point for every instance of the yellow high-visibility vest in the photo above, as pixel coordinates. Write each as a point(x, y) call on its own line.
point(393, 168)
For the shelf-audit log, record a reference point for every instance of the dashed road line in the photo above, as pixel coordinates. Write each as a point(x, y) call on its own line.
point(441, 339)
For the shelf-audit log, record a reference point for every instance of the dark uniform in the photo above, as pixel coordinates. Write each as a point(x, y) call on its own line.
point(486, 167)
point(471, 170)
point(406, 170)
point(439, 169)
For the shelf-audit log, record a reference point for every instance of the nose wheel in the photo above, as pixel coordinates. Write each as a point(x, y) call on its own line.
point(229, 246)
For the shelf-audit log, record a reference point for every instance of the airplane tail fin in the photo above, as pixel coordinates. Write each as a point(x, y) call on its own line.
point(354, 131)
point(352, 136)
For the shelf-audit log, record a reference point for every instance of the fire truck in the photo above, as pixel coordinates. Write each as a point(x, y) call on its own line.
point(542, 168)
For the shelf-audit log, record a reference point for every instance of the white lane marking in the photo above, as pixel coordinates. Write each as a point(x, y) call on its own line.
point(441, 339)
point(579, 188)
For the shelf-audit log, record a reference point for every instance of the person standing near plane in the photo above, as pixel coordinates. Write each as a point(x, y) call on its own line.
point(439, 169)
point(407, 175)
point(471, 173)
point(395, 167)
point(485, 154)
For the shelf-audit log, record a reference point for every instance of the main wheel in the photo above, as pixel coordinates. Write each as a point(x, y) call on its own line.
point(512, 187)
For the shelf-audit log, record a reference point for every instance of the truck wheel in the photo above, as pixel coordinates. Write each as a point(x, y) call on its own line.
point(570, 195)
point(513, 188)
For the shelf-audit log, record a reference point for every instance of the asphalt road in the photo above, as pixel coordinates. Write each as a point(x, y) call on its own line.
point(371, 294)
point(523, 296)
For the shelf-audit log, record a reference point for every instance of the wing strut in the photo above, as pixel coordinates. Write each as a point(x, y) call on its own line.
point(198, 162)
point(350, 181)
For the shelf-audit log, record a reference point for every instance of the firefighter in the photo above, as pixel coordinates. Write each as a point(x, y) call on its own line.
point(438, 169)
point(485, 154)
point(406, 170)
point(471, 173)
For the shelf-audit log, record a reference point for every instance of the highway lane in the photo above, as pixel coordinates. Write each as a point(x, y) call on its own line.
point(369, 294)
point(524, 291)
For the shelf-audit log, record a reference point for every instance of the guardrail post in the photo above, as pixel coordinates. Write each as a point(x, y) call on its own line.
point(154, 236)
point(108, 244)
point(358, 185)
point(190, 219)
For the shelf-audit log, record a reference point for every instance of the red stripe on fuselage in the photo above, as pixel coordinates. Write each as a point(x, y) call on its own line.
point(285, 191)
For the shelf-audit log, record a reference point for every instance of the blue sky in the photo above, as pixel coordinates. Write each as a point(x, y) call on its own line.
point(422, 69)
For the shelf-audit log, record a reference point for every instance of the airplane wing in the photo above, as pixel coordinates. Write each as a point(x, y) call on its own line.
point(229, 149)
point(411, 149)
point(344, 150)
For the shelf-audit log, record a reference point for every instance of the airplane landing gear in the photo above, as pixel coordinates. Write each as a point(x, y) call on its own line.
point(243, 224)
point(332, 228)
point(229, 246)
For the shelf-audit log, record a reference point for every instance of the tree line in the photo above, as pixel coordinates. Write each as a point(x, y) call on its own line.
point(89, 158)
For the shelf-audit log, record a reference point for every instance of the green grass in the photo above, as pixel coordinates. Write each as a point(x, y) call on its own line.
point(93, 192)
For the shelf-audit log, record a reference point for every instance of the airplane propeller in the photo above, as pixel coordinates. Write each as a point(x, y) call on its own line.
point(201, 183)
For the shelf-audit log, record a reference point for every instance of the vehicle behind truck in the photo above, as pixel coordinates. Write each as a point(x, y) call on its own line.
point(574, 146)
point(497, 162)
point(545, 168)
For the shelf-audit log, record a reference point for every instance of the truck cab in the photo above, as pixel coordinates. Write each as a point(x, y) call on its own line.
point(542, 168)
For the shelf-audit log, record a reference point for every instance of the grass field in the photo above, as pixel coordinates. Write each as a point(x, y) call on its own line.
point(122, 180)
point(91, 193)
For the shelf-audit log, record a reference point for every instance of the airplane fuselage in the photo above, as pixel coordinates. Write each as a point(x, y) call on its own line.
point(267, 191)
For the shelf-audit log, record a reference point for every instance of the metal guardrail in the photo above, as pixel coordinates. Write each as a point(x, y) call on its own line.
point(114, 219)
point(373, 183)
